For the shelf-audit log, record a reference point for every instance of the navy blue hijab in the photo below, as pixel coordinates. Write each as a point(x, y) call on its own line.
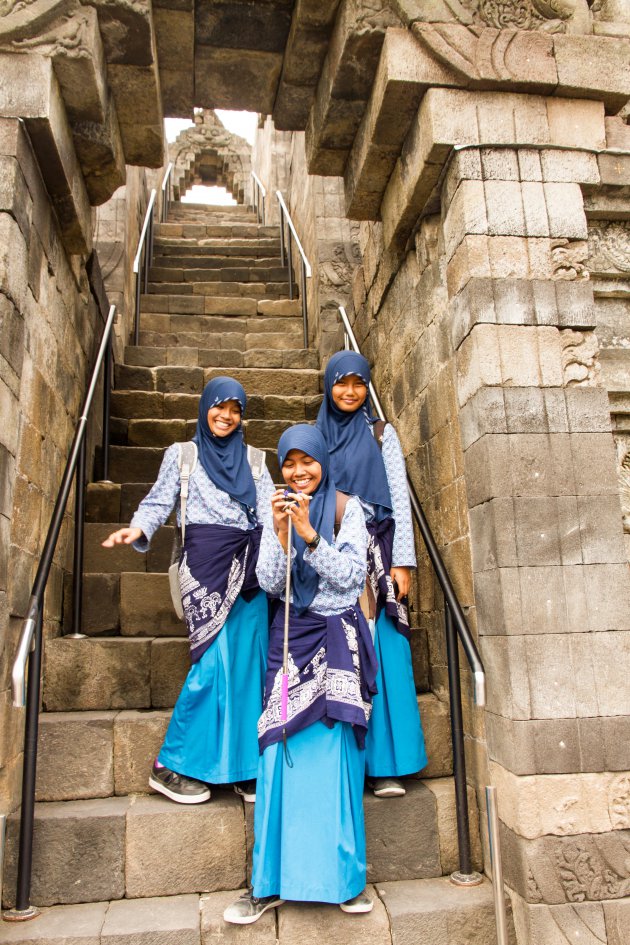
point(321, 511)
point(224, 458)
point(356, 463)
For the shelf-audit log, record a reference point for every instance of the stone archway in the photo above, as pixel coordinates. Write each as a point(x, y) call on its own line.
point(209, 154)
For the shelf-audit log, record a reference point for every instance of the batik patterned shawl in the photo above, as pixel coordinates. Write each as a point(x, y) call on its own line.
point(218, 563)
point(332, 674)
point(379, 582)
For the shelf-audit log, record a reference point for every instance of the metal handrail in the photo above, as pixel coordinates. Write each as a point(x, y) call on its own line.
point(260, 192)
point(496, 865)
point(166, 182)
point(31, 643)
point(287, 252)
point(455, 626)
point(147, 228)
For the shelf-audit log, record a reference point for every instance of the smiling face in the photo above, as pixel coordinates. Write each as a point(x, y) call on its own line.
point(224, 418)
point(301, 471)
point(349, 393)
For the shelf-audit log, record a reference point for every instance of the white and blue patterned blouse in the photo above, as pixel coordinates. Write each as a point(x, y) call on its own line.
point(341, 565)
point(206, 504)
point(403, 551)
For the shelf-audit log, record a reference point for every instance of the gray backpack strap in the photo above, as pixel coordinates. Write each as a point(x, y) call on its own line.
point(256, 459)
point(187, 462)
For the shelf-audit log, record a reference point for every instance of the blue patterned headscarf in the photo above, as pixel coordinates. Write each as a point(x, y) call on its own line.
point(356, 463)
point(224, 458)
point(321, 511)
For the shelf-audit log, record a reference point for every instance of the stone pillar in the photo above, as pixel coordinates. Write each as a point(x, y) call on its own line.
point(549, 565)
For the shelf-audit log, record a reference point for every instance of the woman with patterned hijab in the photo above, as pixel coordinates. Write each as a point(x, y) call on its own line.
point(309, 827)
point(366, 461)
point(211, 738)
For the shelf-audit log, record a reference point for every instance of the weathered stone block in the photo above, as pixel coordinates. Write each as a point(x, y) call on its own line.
point(593, 67)
point(172, 920)
point(138, 737)
point(402, 837)
point(100, 611)
point(102, 502)
point(146, 607)
point(315, 923)
point(434, 910)
point(212, 906)
point(200, 849)
point(78, 852)
point(85, 921)
point(96, 673)
point(75, 756)
point(551, 869)
point(170, 662)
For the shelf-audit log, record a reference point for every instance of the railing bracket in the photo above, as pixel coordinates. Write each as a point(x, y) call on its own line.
point(21, 915)
point(466, 879)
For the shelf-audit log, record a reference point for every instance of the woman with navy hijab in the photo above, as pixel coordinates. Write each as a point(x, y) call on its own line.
point(211, 738)
point(308, 821)
point(366, 461)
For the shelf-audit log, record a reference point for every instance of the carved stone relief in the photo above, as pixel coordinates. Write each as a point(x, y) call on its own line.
point(609, 248)
point(568, 258)
point(622, 445)
point(551, 16)
point(208, 137)
point(580, 358)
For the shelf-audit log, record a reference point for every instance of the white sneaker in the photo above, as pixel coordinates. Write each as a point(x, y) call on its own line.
point(360, 903)
point(386, 787)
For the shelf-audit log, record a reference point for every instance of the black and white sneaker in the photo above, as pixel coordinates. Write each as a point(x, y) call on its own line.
point(249, 908)
point(178, 787)
point(246, 790)
point(360, 904)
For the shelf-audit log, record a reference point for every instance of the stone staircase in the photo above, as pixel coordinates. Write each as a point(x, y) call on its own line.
point(114, 863)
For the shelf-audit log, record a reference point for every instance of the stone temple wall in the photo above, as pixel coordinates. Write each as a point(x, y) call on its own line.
point(49, 326)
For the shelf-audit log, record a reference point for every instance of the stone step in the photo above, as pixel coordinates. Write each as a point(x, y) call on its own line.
point(177, 269)
point(99, 560)
point(190, 298)
point(200, 231)
point(221, 331)
point(201, 249)
point(422, 911)
point(162, 433)
point(288, 335)
point(148, 405)
point(145, 846)
point(189, 356)
point(235, 273)
point(221, 254)
point(229, 307)
point(130, 603)
point(191, 380)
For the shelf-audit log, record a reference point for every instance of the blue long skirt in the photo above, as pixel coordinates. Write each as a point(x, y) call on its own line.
point(395, 742)
point(308, 822)
point(212, 733)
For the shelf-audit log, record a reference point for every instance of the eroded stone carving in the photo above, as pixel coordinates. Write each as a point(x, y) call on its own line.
point(209, 139)
point(619, 790)
point(622, 445)
point(585, 876)
point(609, 247)
point(580, 358)
point(568, 259)
point(550, 16)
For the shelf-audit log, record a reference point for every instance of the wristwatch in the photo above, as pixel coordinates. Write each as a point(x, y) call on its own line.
point(312, 545)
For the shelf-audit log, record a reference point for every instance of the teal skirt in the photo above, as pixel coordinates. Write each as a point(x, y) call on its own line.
point(308, 822)
point(395, 742)
point(212, 733)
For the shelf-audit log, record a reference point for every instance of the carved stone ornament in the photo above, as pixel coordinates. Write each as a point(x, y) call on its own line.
point(568, 258)
point(580, 358)
point(622, 444)
point(209, 136)
point(550, 16)
point(619, 801)
point(586, 876)
point(609, 247)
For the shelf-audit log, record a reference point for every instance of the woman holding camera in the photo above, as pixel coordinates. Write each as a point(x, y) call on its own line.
point(366, 461)
point(309, 826)
point(211, 738)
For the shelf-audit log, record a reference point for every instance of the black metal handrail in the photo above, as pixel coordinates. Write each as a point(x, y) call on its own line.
point(456, 626)
point(286, 255)
point(31, 637)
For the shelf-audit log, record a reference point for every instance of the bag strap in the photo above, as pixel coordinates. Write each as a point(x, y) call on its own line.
point(256, 459)
point(187, 463)
point(379, 429)
point(341, 501)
